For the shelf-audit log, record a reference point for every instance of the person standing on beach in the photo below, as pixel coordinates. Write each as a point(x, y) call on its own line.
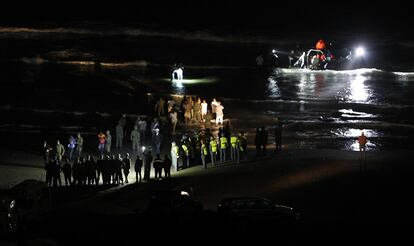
point(147, 165)
point(138, 167)
point(126, 166)
point(203, 110)
point(60, 151)
point(119, 132)
point(46, 152)
point(174, 120)
point(204, 153)
point(362, 141)
point(219, 113)
point(108, 142)
point(67, 172)
point(71, 146)
point(278, 136)
point(167, 166)
point(159, 107)
point(257, 141)
point(157, 165)
point(142, 127)
point(214, 105)
point(79, 145)
point(174, 155)
point(264, 140)
point(157, 141)
point(243, 145)
point(101, 140)
point(135, 139)
point(187, 112)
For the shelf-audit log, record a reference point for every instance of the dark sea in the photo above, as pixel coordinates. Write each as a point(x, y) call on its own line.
point(61, 79)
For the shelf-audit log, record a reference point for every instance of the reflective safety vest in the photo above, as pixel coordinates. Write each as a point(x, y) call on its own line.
point(213, 145)
point(185, 149)
point(204, 149)
point(197, 142)
point(234, 141)
point(223, 142)
point(176, 151)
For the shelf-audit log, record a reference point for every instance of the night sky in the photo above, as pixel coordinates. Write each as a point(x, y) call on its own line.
point(280, 16)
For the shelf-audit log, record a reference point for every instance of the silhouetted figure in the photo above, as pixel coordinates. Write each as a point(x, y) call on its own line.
point(157, 141)
point(71, 147)
point(79, 145)
point(157, 165)
point(47, 150)
point(138, 167)
point(91, 170)
point(278, 136)
point(362, 141)
point(258, 141)
point(159, 107)
point(118, 170)
point(119, 132)
point(49, 171)
point(243, 145)
point(127, 166)
point(167, 166)
point(99, 166)
point(147, 165)
point(264, 140)
point(67, 172)
point(56, 169)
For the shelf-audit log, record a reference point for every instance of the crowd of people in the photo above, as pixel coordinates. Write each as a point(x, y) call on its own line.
point(194, 144)
point(190, 110)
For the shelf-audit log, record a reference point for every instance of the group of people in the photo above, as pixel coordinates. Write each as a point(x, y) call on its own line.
point(202, 147)
point(75, 147)
point(191, 110)
point(106, 170)
point(262, 137)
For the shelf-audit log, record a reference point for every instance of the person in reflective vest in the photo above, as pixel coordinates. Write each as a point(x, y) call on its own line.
point(213, 150)
point(243, 145)
point(223, 148)
point(174, 155)
point(204, 153)
point(196, 147)
point(186, 156)
point(234, 143)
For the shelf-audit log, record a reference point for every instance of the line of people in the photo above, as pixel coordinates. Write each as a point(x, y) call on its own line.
point(204, 148)
point(107, 170)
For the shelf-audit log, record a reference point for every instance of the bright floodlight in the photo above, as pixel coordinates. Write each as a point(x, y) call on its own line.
point(184, 193)
point(273, 51)
point(359, 52)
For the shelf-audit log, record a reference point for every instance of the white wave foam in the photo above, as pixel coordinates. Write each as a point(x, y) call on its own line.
point(360, 71)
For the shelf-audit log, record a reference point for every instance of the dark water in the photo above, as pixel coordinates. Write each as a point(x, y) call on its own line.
point(51, 81)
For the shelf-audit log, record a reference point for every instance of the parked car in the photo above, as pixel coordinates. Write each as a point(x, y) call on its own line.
point(254, 211)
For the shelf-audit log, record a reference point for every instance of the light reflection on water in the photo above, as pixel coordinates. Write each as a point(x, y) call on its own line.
point(353, 134)
point(273, 90)
point(358, 91)
point(332, 85)
point(178, 87)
